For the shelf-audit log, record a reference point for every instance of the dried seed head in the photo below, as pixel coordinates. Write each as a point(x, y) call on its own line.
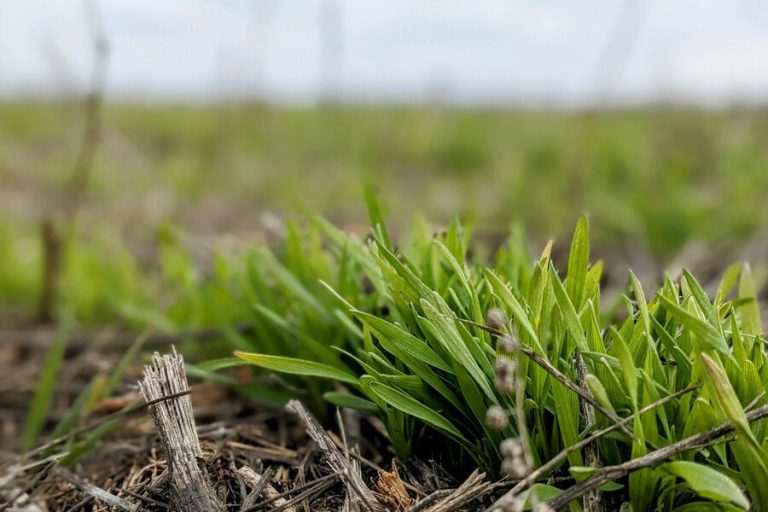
point(504, 367)
point(368, 286)
point(505, 384)
point(514, 463)
point(505, 375)
point(540, 506)
point(506, 344)
point(496, 417)
point(511, 448)
point(516, 505)
point(496, 319)
point(537, 505)
point(514, 468)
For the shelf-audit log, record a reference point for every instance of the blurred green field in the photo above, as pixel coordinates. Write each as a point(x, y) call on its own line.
point(653, 181)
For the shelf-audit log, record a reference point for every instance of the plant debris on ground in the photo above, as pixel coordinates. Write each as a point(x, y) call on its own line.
point(258, 460)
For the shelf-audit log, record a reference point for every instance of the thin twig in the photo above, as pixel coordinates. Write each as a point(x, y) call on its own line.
point(54, 239)
point(301, 476)
point(260, 487)
point(91, 134)
point(611, 473)
point(80, 505)
point(146, 499)
point(378, 468)
point(554, 372)
point(16, 470)
point(754, 402)
point(259, 484)
point(353, 466)
point(97, 492)
point(534, 476)
point(592, 501)
point(474, 487)
point(342, 431)
point(336, 459)
point(429, 500)
point(305, 496)
point(330, 479)
point(52, 245)
point(522, 426)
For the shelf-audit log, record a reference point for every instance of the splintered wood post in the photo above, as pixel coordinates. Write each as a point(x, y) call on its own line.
point(176, 425)
point(359, 496)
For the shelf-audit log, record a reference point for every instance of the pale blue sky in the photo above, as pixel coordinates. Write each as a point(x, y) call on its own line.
point(526, 52)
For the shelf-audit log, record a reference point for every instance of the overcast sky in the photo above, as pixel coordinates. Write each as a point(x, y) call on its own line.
point(566, 52)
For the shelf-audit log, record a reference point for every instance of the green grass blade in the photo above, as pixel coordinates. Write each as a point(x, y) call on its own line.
point(85, 397)
point(375, 215)
point(578, 262)
point(46, 386)
point(627, 366)
point(125, 361)
point(389, 334)
point(707, 482)
point(570, 316)
point(700, 296)
point(454, 345)
point(297, 367)
point(726, 398)
point(598, 391)
point(749, 313)
point(518, 312)
point(705, 335)
point(350, 401)
point(413, 407)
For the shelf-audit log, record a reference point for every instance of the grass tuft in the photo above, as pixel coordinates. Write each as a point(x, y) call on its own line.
point(406, 329)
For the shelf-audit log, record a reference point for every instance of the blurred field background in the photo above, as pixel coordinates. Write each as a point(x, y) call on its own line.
point(663, 186)
point(219, 121)
point(653, 179)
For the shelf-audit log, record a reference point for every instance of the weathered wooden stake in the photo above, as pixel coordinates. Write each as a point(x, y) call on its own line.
point(176, 425)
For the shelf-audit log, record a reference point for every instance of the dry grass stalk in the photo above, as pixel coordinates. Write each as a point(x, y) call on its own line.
point(358, 493)
point(255, 481)
point(444, 500)
point(391, 489)
point(97, 492)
